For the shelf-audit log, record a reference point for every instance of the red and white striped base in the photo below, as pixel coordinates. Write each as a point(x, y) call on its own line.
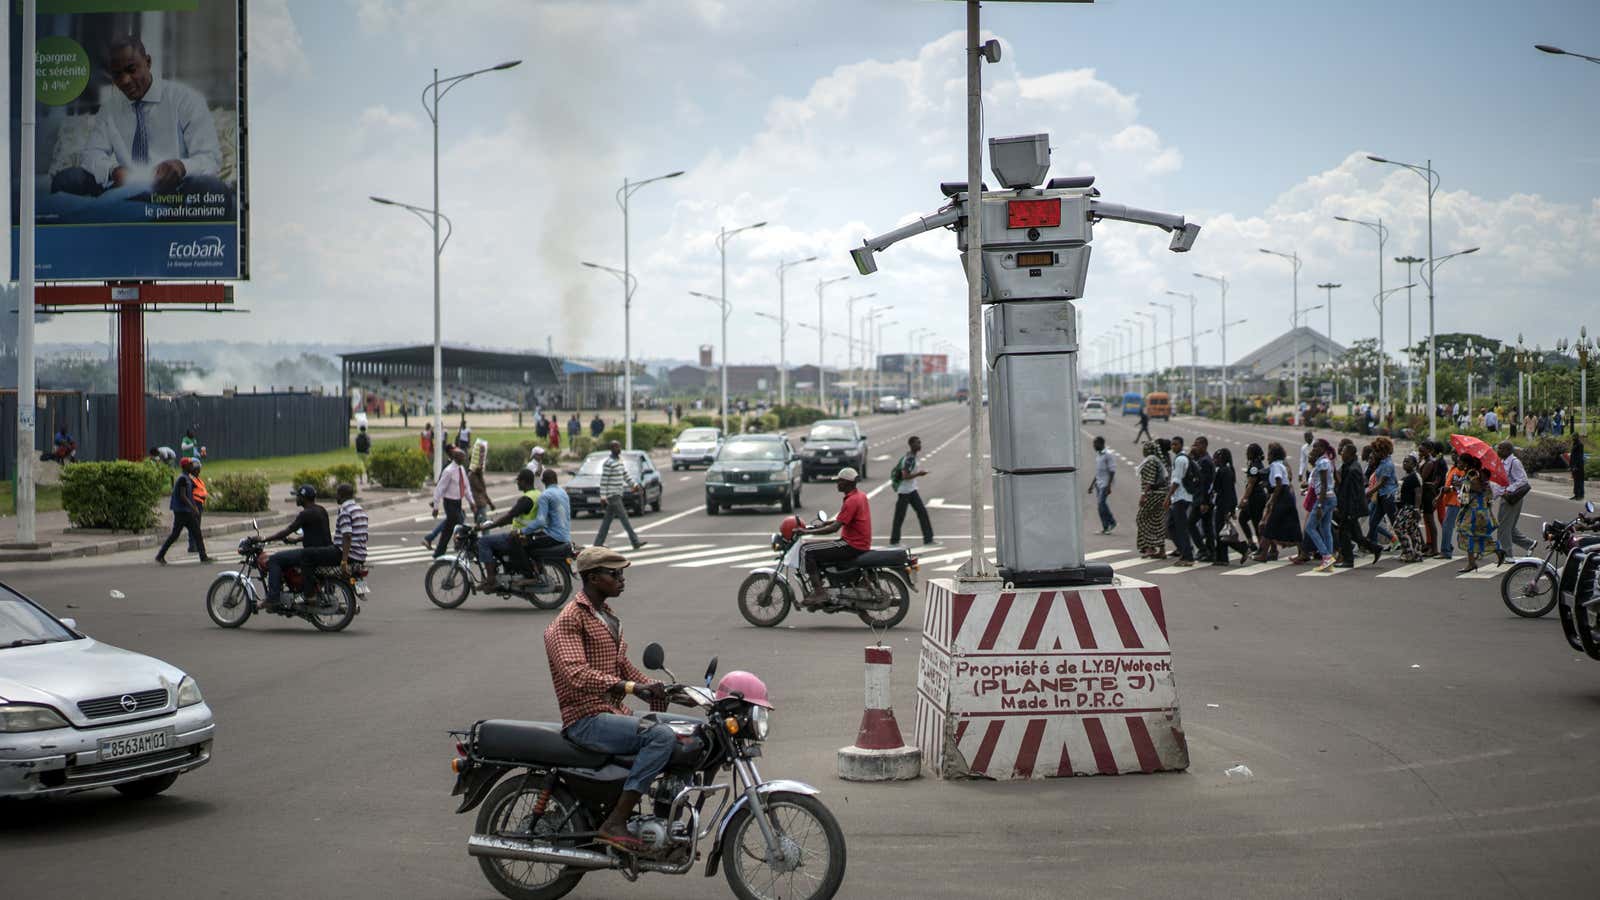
point(1040, 683)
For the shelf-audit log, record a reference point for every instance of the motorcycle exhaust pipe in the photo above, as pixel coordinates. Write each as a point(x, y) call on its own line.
point(527, 851)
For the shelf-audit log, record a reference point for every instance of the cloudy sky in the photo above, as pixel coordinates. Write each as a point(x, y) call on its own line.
point(835, 119)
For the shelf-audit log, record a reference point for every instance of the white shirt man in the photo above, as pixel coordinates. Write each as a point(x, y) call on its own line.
point(178, 125)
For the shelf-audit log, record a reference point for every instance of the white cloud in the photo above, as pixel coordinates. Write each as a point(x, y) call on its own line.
point(275, 43)
point(381, 116)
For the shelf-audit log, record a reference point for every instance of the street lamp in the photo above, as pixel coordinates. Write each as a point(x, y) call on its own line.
point(1411, 343)
point(1582, 347)
point(432, 217)
point(1152, 317)
point(1376, 227)
point(1383, 381)
point(726, 308)
point(850, 338)
point(1330, 286)
point(822, 375)
point(1428, 175)
point(783, 331)
point(867, 349)
point(1194, 358)
point(435, 92)
point(1471, 352)
point(1294, 334)
point(628, 285)
point(1172, 332)
point(1557, 51)
point(723, 236)
point(1427, 276)
point(1222, 282)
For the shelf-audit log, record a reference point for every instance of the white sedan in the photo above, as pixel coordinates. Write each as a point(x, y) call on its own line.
point(76, 714)
point(1094, 411)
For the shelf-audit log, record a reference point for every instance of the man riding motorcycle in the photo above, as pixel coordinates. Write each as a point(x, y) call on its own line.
point(591, 673)
point(854, 522)
point(494, 546)
point(316, 542)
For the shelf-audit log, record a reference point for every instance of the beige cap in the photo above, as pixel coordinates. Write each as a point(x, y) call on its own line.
point(599, 558)
point(848, 474)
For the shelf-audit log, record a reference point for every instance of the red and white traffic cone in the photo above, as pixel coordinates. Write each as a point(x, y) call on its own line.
point(879, 753)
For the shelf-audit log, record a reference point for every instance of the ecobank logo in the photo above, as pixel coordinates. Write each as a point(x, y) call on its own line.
point(206, 248)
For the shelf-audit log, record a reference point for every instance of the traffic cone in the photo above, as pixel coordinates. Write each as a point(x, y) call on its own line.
point(879, 753)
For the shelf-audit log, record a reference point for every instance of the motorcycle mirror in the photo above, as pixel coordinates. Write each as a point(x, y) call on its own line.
point(1588, 507)
point(822, 515)
point(254, 527)
point(654, 657)
point(711, 670)
point(72, 625)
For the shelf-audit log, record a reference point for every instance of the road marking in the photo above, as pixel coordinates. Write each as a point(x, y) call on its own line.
point(680, 557)
point(685, 477)
point(1103, 554)
point(881, 457)
point(1483, 573)
point(672, 518)
point(1256, 568)
point(941, 557)
point(635, 555)
point(1123, 564)
point(767, 553)
point(1328, 574)
point(1416, 568)
point(1173, 570)
point(938, 503)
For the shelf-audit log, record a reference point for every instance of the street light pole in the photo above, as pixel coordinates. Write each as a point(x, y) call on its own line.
point(867, 350)
point(783, 331)
point(1222, 282)
point(1383, 358)
point(1411, 368)
point(1152, 317)
point(726, 308)
point(850, 342)
point(822, 372)
point(1194, 355)
point(1172, 332)
point(1557, 51)
point(723, 236)
point(1432, 179)
point(1329, 286)
point(628, 285)
point(1294, 333)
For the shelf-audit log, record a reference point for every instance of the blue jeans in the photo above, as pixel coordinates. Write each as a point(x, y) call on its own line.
point(1447, 537)
point(491, 546)
point(649, 745)
point(1107, 520)
point(1320, 527)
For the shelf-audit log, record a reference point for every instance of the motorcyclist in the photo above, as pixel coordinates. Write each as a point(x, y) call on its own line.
point(591, 674)
point(854, 522)
point(494, 546)
point(316, 542)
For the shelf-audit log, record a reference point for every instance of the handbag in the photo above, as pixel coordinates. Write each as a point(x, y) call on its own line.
point(1230, 534)
point(1516, 494)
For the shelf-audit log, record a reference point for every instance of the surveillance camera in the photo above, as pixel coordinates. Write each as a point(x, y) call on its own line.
point(991, 50)
point(866, 264)
point(1183, 238)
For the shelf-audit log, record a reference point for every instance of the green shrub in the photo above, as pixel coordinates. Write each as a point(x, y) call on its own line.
point(398, 467)
point(697, 421)
point(507, 459)
point(238, 492)
point(769, 422)
point(345, 473)
point(121, 495)
point(317, 478)
point(794, 416)
point(1544, 454)
point(583, 445)
point(646, 435)
point(1591, 467)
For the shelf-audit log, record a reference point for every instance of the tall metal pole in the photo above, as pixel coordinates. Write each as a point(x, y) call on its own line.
point(26, 405)
point(783, 331)
point(438, 336)
point(1194, 355)
point(977, 566)
point(1411, 366)
point(722, 255)
point(627, 327)
point(1222, 282)
point(1433, 361)
point(822, 330)
point(1294, 323)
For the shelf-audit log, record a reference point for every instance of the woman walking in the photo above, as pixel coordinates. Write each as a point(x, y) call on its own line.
point(1476, 525)
point(1151, 522)
point(1408, 519)
point(1319, 486)
point(1455, 482)
point(1224, 503)
point(1382, 489)
point(1254, 502)
point(1282, 528)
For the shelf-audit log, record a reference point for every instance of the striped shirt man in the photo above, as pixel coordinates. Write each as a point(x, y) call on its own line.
point(614, 477)
point(352, 521)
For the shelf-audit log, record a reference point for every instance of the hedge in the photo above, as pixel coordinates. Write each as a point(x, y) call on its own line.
point(121, 495)
point(238, 492)
point(507, 459)
point(698, 421)
point(320, 479)
point(793, 416)
point(646, 435)
point(583, 445)
point(398, 467)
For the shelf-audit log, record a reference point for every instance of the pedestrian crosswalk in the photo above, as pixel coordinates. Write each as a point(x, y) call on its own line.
point(1127, 561)
point(679, 556)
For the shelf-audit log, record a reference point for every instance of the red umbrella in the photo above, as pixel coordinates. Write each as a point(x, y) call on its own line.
point(1467, 445)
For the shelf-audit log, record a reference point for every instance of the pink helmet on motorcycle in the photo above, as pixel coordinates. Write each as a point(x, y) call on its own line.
point(790, 526)
point(753, 689)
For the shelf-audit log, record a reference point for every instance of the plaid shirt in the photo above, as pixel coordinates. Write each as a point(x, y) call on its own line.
point(586, 660)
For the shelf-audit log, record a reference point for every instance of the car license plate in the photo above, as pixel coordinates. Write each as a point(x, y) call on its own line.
point(135, 745)
point(362, 588)
point(830, 459)
point(744, 489)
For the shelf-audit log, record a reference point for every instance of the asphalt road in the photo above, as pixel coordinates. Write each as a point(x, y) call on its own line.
point(1408, 736)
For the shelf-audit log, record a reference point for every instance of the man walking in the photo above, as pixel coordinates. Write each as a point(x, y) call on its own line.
point(614, 478)
point(185, 515)
point(1306, 462)
point(480, 490)
point(1178, 502)
point(1105, 472)
point(597, 426)
point(363, 450)
point(904, 481)
point(1201, 473)
point(1144, 427)
point(1511, 496)
point(573, 427)
point(452, 490)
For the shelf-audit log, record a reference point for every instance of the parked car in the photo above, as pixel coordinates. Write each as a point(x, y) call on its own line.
point(913, 403)
point(754, 469)
point(831, 445)
point(584, 488)
point(1094, 411)
point(695, 447)
point(890, 404)
point(76, 714)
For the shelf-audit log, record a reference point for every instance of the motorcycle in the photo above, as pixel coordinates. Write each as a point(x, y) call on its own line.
point(1578, 599)
point(876, 585)
point(547, 584)
point(535, 836)
point(324, 596)
point(1529, 587)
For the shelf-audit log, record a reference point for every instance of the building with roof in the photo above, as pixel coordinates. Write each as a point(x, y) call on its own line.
point(474, 380)
point(1276, 359)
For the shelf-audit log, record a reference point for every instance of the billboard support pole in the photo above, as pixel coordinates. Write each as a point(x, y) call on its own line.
point(26, 405)
point(130, 381)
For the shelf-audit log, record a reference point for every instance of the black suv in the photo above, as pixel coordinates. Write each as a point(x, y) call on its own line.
point(832, 445)
point(753, 469)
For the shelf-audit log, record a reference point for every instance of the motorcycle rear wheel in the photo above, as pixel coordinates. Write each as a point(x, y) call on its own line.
point(447, 584)
point(802, 823)
point(899, 604)
point(1528, 590)
point(764, 599)
point(228, 602)
point(1586, 619)
point(561, 578)
point(343, 598)
point(505, 813)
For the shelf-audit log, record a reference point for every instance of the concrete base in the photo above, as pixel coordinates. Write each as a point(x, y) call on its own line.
point(897, 764)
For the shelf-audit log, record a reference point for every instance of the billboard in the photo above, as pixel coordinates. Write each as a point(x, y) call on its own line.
point(913, 363)
point(140, 154)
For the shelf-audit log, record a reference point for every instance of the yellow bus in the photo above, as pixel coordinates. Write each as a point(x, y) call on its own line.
point(1159, 406)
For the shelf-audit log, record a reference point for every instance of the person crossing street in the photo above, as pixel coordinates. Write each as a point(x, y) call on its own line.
point(614, 477)
point(904, 481)
point(1105, 472)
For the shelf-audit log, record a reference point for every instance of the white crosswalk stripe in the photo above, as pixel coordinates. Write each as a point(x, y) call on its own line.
point(1122, 564)
point(1327, 574)
point(1484, 572)
point(1172, 569)
point(1416, 568)
point(766, 553)
point(655, 552)
point(1105, 554)
point(696, 554)
point(1256, 568)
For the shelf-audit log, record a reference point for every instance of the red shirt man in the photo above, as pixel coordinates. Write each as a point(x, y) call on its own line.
point(854, 523)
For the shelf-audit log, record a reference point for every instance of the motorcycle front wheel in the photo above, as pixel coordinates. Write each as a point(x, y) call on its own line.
point(447, 584)
point(228, 601)
point(764, 599)
point(335, 607)
point(899, 601)
point(812, 844)
point(508, 813)
point(560, 578)
point(1528, 590)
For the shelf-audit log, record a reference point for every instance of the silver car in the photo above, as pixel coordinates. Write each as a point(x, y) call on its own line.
point(76, 714)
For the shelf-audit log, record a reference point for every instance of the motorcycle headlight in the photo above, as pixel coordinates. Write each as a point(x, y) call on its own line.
point(760, 722)
point(17, 717)
point(188, 692)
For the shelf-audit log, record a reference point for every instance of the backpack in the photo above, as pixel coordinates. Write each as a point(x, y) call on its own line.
point(363, 443)
point(1191, 478)
point(900, 471)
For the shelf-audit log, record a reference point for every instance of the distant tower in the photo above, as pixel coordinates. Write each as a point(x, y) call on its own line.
point(705, 356)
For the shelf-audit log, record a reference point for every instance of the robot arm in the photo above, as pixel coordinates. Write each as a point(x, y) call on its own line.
point(1183, 235)
point(863, 255)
